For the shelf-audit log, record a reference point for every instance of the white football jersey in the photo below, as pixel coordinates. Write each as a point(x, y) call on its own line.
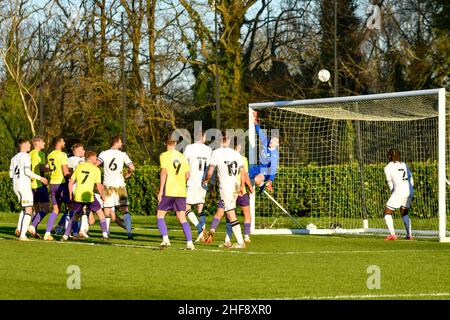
point(399, 178)
point(20, 163)
point(74, 161)
point(198, 156)
point(228, 163)
point(113, 162)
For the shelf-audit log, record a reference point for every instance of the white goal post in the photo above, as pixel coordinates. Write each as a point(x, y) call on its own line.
point(332, 153)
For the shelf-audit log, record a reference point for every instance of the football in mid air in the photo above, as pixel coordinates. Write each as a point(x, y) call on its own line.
point(324, 75)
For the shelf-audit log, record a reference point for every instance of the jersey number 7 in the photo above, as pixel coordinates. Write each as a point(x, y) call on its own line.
point(85, 177)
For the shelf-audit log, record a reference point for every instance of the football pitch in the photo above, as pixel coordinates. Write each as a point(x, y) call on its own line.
point(271, 267)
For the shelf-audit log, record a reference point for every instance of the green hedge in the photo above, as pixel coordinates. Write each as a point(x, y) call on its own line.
point(308, 190)
point(335, 190)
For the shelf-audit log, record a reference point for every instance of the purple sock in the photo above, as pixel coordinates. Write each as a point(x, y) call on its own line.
point(38, 218)
point(215, 223)
point(51, 222)
point(162, 227)
point(69, 227)
point(103, 225)
point(187, 231)
point(247, 228)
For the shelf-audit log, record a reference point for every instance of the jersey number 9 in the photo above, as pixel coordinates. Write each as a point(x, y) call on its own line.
point(176, 166)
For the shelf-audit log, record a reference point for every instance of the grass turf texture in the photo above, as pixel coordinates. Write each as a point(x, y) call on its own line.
point(271, 267)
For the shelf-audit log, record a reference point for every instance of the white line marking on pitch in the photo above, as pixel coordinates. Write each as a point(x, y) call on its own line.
point(243, 251)
point(368, 296)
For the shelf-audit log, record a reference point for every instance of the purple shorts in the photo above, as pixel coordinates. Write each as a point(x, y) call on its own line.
point(40, 195)
point(92, 206)
point(172, 204)
point(60, 193)
point(242, 201)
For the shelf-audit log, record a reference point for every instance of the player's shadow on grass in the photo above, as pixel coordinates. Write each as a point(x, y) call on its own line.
point(7, 232)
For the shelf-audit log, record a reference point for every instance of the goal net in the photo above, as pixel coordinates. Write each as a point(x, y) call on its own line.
point(332, 154)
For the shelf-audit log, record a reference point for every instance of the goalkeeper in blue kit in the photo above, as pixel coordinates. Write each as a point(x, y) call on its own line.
point(263, 174)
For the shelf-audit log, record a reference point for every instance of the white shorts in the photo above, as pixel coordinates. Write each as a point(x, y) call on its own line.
point(195, 195)
point(115, 197)
point(397, 201)
point(229, 198)
point(25, 196)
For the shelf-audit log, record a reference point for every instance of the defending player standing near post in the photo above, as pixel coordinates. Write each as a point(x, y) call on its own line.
point(228, 163)
point(59, 171)
point(401, 185)
point(21, 174)
point(113, 161)
point(87, 176)
point(264, 173)
point(198, 155)
point(40, 191)
point(172, 191)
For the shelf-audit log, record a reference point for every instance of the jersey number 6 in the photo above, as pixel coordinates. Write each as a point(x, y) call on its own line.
point(112, 165)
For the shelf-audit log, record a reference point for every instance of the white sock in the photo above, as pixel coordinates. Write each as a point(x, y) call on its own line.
point(407, 223)
point(25, 224)
point(193, 218)
point(108, 222)
point(389, 223)
point(236, 227)
point(127, 219)
point(189, 244)
point(19, 222)
point(84, 223)
point(66, 222)
point(227, 238)
point(105, 235)
point(166, 238)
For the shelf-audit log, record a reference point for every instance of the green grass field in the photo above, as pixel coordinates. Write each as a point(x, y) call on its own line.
point(271, 267)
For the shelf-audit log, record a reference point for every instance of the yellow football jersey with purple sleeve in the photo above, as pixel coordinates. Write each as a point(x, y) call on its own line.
point(56, 159)
point(37, 159)
point(86, 176)
point(177, 166)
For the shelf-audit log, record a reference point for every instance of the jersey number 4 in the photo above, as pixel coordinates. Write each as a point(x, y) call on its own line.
point(405, 176)
point(17, 172)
